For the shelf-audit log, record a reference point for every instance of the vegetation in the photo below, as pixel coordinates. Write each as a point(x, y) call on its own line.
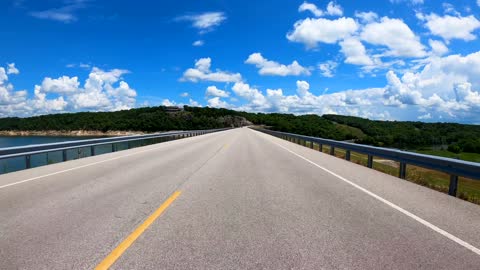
point(439, 137)
point(414, 135)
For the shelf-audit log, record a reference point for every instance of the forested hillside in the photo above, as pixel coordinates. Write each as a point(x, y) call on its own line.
point(411, 135)
point(404, 135)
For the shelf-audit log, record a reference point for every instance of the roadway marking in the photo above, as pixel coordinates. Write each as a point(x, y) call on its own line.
point(79, 167)
point(122, 247)
point(392, 205)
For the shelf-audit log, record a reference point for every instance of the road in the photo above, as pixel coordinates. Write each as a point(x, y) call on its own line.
point(237, 199)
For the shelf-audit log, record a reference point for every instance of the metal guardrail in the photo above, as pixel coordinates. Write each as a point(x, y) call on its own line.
point(29, 151)
point(453, 167)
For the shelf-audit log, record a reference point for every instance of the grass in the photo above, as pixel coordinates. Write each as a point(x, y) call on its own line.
point(356, 132)
point(468, 189)
point(444, 153)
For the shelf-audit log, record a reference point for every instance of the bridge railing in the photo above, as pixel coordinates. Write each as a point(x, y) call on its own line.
point(25, 157)
point(453, 167)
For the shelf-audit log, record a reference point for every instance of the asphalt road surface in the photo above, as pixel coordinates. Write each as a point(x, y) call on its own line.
point(236, 199)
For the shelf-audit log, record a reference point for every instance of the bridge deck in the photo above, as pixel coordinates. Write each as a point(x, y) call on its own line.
point(248, 200)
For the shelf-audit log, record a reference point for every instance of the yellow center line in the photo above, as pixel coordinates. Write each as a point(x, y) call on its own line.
point(122, 247)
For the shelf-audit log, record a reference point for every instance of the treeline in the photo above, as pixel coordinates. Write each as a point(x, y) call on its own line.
point(403, 135)
point(414, 135)
point(150, 119)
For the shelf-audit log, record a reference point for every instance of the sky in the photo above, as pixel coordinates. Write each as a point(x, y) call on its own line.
point(415, 60)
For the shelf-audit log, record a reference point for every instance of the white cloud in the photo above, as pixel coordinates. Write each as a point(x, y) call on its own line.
point(366, 17)
point(332, 9)
point(62, 85)
point(438, 47)
point(355, 52)
point(202, 72)
point(425, 116)
point(445, 89)
point(312, 8)
point(451, 27)
point(313, 31)
point(302, 88)
point(414, 2)
point(102, 91)
point(11, 101)
point(55, 14)
point(327, 69)
point(253, 95)
point(193, 103)
point(465, 93)
point(11, 69)
point(184, 94)
point(215, 92)
point(167, 102)
point(216, 102)
point(204, 22)
point(272, 68)
point(395, 35)
point(198, 43)
point(65, 13)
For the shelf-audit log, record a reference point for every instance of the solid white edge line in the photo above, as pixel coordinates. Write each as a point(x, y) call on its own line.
point(392, 205)
point(79, 167)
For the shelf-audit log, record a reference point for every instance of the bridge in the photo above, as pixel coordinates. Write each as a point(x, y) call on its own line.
point(230, 199)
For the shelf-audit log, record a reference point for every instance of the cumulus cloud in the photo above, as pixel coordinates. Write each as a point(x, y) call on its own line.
point(62, 85)
point(355, 52)
point(438, 47)
point(204, 22)
point(252, 95)
point(333, 9)
point(216, 102)
point(302, 88)
point(167, 102)
point(451, 27)
point(395, 35)
point(444, 89)
point(202, 72)
point(11, 69)
point(11, 101)
point(215, 92)
point(313, 31)
point(198, 43)
point(102, 91)
point(327, 69)
point(425, 116)
point(272, 68)
point(366, 17)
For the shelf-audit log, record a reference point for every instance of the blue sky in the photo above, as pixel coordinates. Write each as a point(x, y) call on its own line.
point(392, 59)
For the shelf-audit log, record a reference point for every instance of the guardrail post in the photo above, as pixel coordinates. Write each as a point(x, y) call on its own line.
point(305, 143)
point(311, 144)
point(28, 164)
point(347, 155)
point(113, 147)
point(332, 150)
point(320, 147)
point(403, 170)
point(452, 190)
point(64, 155)
point(370, 161)
point(92, 150)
